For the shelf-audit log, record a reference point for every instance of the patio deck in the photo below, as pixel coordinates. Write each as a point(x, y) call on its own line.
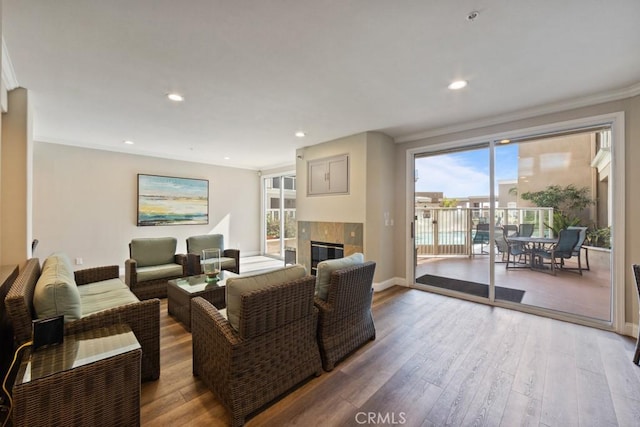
point(588, 295)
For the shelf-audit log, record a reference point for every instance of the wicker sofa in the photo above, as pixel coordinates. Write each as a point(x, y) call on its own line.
point(267, 346)
point(143, 317)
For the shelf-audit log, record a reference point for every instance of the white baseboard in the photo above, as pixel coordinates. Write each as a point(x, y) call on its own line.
point(630, 330)
point(381, 286)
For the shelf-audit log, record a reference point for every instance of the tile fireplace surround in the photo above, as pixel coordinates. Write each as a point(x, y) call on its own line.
point(347, 233)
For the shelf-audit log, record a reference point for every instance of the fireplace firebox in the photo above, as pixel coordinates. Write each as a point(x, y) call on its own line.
point(321, 251)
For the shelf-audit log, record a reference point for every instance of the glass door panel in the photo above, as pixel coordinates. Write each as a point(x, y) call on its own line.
point(544, 186)
point(280, 215)
point(452, 221)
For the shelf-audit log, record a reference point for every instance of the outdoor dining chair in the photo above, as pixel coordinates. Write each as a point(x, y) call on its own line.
point(560, 251)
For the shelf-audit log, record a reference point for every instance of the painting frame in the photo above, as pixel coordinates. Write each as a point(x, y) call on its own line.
point(170, 200)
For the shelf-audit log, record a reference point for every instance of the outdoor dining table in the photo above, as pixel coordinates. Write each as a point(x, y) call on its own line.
point(533, 244)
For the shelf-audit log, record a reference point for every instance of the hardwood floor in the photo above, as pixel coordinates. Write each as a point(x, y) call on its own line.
point(435, 361)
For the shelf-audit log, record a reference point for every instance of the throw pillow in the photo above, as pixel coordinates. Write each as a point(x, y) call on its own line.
point(325, 268)
point(56, 291)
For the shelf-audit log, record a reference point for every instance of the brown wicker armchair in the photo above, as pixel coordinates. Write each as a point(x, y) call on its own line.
point(230, 258)
point(636, 274)
point(345, 321)
point(152, 262)
point(142, 317)
point(274, 348)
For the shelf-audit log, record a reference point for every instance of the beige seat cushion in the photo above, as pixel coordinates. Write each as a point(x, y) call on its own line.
point(236, 286)
point(158, 272)
point(325, 268)
point(103, 295)
point(56, 292)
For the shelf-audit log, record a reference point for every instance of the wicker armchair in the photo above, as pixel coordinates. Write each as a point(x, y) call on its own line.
point(142, 317)
point(636, 274)
point(230, 258)
point(152, 262)
point(345, 321)
point(274, 348)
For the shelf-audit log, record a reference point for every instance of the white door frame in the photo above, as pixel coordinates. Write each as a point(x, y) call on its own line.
point(617, 186)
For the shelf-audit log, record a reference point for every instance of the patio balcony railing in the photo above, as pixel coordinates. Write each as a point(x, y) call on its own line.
point(449, 231)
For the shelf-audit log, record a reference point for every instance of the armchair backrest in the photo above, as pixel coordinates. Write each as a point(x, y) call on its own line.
point(153, 251)
point(566, 242)
point(525, 230)
point(510, 229)
point(196, 244)
point(350, 288)
point(581, 237)
point(267, 309)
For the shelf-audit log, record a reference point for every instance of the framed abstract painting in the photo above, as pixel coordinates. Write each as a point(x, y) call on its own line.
point(167, 200)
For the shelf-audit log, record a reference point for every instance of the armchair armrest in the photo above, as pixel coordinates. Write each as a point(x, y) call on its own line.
point(130, 272)
point(182, 259)
point(213, 341)
point(97, 274)
point(235, 254)
point(193, 264)
point(144, 320)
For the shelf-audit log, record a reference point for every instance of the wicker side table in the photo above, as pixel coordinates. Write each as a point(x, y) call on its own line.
point(92, 378)
point(181, 291)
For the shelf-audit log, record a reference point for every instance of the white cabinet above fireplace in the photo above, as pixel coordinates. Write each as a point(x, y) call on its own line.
point(328, 175)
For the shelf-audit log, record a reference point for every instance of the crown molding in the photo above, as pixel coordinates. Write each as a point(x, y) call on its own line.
point(599, 98)
point(8, 74)
point(8, 79)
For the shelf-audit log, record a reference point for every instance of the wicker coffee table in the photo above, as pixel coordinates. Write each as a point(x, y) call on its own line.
point(180, 292)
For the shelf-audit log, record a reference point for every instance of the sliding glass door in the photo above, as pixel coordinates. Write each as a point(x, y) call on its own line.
point(280, 228)
point(524, 221)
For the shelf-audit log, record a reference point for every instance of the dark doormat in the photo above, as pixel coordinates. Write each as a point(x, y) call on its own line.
point(473, 288)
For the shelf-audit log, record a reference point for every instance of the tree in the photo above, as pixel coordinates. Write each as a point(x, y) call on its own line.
point(449, 203)
point(569, 200)
point(566, 202)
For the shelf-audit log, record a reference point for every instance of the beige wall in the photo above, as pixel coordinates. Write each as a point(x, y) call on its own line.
point(85, 203)
point(16, 179)
point(339, 208)
point(557, 161)
point(380, 206)
point(370, 195)
point(631, 108)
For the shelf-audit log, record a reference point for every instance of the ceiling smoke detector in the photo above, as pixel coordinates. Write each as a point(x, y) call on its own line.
point(472, 15)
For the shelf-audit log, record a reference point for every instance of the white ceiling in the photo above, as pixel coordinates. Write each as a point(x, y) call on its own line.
point(255, 71)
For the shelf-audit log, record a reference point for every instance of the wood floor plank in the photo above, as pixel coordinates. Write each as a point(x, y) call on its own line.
point(521, 410)
point(438, 361)
point(595, 405)
point(532, 367)
point(559, 400)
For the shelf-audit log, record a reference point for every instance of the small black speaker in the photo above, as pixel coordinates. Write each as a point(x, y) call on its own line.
point(48, 331)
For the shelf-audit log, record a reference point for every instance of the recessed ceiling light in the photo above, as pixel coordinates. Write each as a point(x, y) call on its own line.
point(300, 134)
point(458, 84)
point(227, 157)
point(175, 97)
point(505, 141)
point(128, 142)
